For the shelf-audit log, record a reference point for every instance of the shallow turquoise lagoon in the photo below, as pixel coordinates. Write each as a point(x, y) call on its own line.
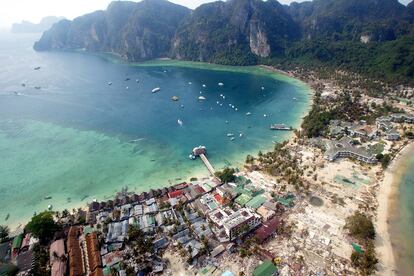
point(75, 137)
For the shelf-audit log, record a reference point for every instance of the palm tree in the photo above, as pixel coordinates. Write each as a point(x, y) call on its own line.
point(65, 213)
point(4, 233)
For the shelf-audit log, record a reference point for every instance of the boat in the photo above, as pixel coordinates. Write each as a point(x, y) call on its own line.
point(23, 84)
point(232, 139)
point(248, 114)
point(48, 197)
point(50, 207)
point(192, 156)
point(190, 83)
point(17, 93)
point(204, 85)
point(137, 80)
point(127, 79)
point(174, 98)
point(294, 99)
point(182, 106)
point(201, 98)
point(230, 135)
point(136, 140)
point(180, 122)
point(280, 127)
point(127, 87)
point(224, 97)
point(227, 122)
point(37, 87)
point(218, 102)
point(264, 115)
point(220, 84)
point(241, 135)
point(7, 217)
point(155, 90)
point(221, 104)
point(235, 109)
point(109, 83)
point(37, 68)
point(263, 88)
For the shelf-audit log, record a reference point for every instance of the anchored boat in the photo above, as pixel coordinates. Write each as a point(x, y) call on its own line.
point(280, 127)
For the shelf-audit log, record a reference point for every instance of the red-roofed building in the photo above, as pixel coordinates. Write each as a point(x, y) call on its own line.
point(267, 229)
point(218, 198)
point(175, 194)
point(199, 189)
point(180, 186)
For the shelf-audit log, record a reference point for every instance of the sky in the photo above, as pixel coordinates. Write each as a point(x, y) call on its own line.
point(12, 11)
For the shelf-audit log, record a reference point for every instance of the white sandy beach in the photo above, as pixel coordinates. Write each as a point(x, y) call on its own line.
point(386, 199)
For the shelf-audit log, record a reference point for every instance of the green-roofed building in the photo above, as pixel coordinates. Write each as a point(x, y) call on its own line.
point(256, 202)
point(206, 271)
point(267, 268)
point(88, 230)
point(287, 201)
point(357, 248)
point(241, 180)
point(243, 199)
point(17, 242)
point(248, 190)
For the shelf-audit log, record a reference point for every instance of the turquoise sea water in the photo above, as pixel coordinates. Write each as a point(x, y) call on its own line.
point(78, 138)
point(402, 222)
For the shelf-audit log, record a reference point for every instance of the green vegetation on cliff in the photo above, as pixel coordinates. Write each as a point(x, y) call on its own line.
point(370, 37)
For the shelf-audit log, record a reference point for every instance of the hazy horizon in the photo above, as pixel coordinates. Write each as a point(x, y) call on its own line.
point(34, 11)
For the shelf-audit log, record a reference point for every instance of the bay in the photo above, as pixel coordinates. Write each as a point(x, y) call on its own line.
point(67, 136)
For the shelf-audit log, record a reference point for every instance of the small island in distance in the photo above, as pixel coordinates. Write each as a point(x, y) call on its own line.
point(26, 27)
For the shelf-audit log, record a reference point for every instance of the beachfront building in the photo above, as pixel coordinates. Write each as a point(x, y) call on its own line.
point(234, 224)
point(93, 262)
point(402, 118)
point(338, 127)
point(117, 231)
point(364, 131)
point(240, 223)
point(384, 123)
point(344, 149)
point(74, 252)
point(393, 135)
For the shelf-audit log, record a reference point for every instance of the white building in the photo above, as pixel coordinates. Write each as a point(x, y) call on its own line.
point(240, 223)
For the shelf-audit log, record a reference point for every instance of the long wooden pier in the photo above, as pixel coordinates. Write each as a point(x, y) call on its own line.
point(208, 165)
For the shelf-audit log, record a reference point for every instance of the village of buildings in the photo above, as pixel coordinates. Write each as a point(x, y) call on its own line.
point(253, 225)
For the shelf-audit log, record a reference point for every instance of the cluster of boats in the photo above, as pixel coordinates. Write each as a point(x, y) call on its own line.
point(232, 136)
